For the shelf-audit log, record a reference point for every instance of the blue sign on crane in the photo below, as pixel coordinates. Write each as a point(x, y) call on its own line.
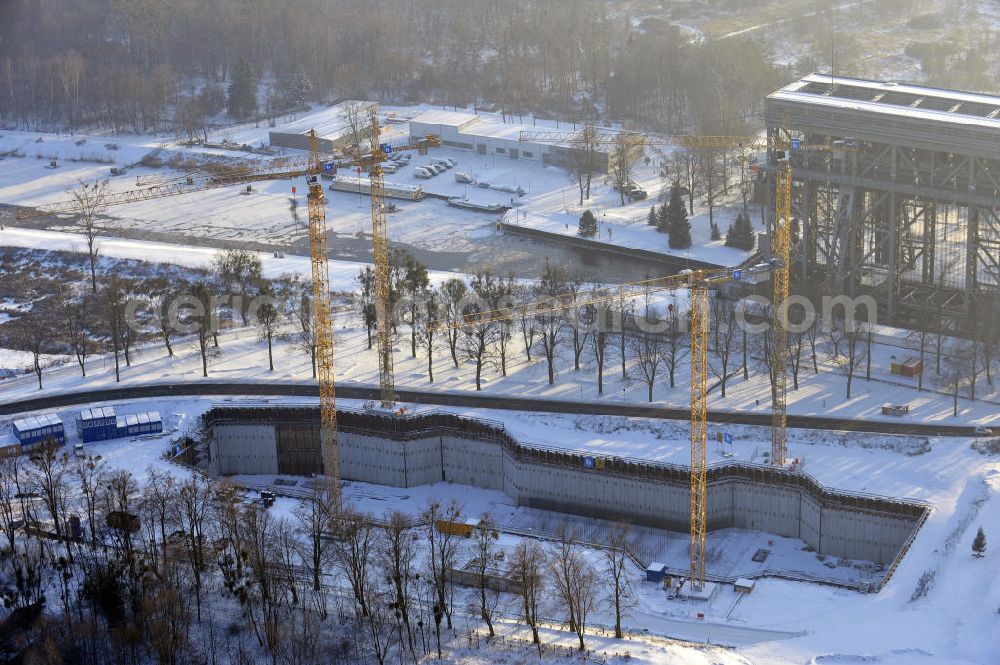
point(727, 437)
point(737, 273)
point(386, 148)
point(588, 462)
point(328, 166)
point(796, 144)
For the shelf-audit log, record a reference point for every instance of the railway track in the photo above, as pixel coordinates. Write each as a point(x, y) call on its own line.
point(470, 400)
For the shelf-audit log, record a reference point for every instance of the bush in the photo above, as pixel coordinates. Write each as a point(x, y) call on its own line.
point(588, 225)
point(741, 234)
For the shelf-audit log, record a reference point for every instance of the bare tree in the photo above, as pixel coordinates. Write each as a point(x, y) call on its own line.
point(724, 339)
point(528, 570)
point(357, 115)
point(268, 317)
point(581, 319)
point(487, 556)
point(90, 473)
point(551, 323)
point(526, 320)
point(91, 202)
point(201, 317)
point(366, 299)
point(115, 303)
point(240, 273)
point(453, 294)
point(33, 332)
point(195, 503)
point(675, 341)
point(10, 515)
point(78, 317)
point(444, 545)
point(304, 336)
point(315, 517)
point(855, 354)
point(584, 159)
point(353, 552)
point(396, 554)
point(616, 560)
point(599, 339)
point(626, 152)
point(47, 475)
point(574, 581)
point(432, 313)
point(480, 328)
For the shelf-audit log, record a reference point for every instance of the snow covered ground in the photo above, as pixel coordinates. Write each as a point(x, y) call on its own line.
point(267, 215)
point(781, 621)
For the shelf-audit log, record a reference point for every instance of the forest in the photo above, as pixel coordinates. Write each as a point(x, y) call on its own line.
point(162, 65)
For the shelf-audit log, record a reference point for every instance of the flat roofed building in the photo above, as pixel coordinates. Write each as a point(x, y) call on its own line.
point(332, 125)
point(486, 135)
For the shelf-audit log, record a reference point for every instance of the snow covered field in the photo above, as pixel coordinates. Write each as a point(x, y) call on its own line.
point(780, 622)
point(267, 215)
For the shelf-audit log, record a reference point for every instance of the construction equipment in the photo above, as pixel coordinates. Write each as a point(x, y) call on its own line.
point(311, 166)
point(699, 282)
point(781, 237)
point(383, 277)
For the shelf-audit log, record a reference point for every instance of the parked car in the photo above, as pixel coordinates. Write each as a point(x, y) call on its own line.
point(434, 168)
point(983, 431)
point(464, 178)
point(637, 194)
point(389, 167)
point(422, 173)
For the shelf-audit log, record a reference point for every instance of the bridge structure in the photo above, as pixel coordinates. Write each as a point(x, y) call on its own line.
point(909, 211)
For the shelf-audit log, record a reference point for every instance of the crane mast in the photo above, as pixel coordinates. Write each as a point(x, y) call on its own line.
point(699, 426)
point(781, 250)
point(323, 320)
point(383, 276)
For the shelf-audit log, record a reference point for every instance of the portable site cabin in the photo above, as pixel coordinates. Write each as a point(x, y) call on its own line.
point(97, 424)
point(137, 424)
point(656, 572)
point(37, 430)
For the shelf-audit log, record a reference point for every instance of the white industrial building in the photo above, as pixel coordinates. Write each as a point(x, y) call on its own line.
point(486, 135)
point(332, 126)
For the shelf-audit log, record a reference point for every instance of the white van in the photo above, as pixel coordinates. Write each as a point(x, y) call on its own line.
point(442, 162)
point(389, 167)
point(422, 173)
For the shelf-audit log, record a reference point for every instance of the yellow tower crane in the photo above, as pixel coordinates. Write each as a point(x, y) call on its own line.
point(312, 167)
point(778, 146)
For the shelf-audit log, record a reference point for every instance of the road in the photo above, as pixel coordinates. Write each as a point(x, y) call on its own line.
point(467, 400)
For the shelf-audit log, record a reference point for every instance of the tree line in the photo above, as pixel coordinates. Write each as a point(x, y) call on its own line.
point(149, 65)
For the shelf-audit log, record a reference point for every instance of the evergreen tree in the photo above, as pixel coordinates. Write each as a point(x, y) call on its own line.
point(241, 101)
point(588, 225)
point(979, 544)
point(654, 219)
point(661, 219)
point(741, 234)
point(302, 87)
point(678, 226)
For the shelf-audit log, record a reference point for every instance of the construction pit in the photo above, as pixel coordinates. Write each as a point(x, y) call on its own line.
point(763, 521)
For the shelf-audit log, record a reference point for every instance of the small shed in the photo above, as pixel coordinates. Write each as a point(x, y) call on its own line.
point(744, 585)
point(655, 572)
point(910, 366)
